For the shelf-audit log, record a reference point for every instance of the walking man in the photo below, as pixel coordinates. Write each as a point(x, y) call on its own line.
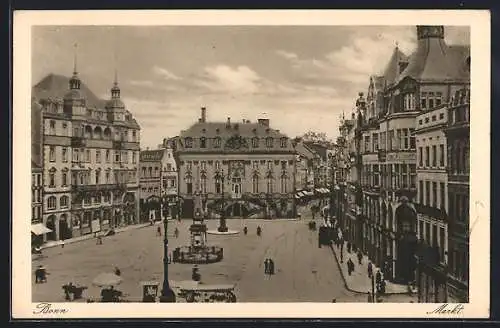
point(370, 270)
point(158, 231)
point(271, 267)
point(360, 257)
point(266, 266)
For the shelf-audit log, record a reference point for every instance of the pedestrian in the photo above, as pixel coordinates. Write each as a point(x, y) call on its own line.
point(348, 247)
point(158, 231)
point(266, 266)
point(370, 269)
point(245, 230)
point(360, 257)
point(271, 267)
point(348, 267)
point(370, 298)
point(117, 271)
point(334, 300)
point(378, 277)
point(176, 232)
point(62, 243)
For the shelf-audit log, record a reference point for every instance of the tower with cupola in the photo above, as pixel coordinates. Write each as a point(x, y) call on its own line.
point(74, 102)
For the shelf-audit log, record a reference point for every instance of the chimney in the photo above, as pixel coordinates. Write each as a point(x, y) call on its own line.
point(263, 121)
point(203, 115)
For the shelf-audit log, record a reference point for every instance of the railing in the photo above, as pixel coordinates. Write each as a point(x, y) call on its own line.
point(98, 187)
point(430, 211)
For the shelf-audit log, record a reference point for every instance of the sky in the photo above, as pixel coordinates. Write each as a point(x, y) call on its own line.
point(300, 77)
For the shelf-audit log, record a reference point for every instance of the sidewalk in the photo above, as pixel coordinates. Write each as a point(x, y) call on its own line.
point(91, 235)
point(358, 281)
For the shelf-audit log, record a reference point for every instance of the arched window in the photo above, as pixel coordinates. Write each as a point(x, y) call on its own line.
point(64, 179)
point(51, 203)
point(189, 185)
point(255, 183)
point(269, 185)
point(52, 177)
point(269, 142)
point(63, 201)
point(284, 181)
point(283, 142)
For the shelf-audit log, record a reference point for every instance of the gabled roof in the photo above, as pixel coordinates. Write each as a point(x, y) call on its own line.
point(151, 155)
point(318, 149)
point(435, 61)
point(378, 83)
point(391, 71)
point(56, 86)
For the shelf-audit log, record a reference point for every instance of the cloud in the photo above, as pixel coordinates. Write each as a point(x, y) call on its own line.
point(166, 74)
point(141, 83)
point(286, 54)
point(241, 79)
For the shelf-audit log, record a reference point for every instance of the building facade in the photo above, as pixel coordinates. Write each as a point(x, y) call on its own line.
point(158, 183)
point(431, 204)
point(410, 84)
point(241, 169)
point(90, 158)
point(458, 140)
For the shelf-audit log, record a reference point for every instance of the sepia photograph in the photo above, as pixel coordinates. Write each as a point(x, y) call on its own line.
point(251, 163)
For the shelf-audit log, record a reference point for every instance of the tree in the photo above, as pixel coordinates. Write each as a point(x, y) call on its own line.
point(316, 137)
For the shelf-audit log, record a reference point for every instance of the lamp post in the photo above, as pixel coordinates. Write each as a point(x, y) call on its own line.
point(167, 294)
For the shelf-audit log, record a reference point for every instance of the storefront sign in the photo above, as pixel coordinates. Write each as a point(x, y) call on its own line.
point(401, 156)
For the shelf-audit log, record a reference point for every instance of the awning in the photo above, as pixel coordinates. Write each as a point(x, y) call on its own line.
point(39, 229)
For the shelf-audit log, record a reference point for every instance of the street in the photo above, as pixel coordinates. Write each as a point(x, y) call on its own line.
point(303, 272)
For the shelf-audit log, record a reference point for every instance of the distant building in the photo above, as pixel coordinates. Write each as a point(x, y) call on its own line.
point(431, 203)
point(158, 183)
point(304, 178)
point(241, 169)
point(458, 141)
point(90, 158)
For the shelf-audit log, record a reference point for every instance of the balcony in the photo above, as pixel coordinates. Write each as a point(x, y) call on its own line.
point(118, 144)
point(98, 187)
point(78, 142)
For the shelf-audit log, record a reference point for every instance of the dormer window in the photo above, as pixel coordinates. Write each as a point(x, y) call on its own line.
point(188, 142)
point(217, 130)
point(203, 142)
point(217, 142)
point(269, 142)
point(203, 130)
point(255, 142)
point(283, 142)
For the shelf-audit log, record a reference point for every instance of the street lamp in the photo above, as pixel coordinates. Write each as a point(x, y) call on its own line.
point(167, 294)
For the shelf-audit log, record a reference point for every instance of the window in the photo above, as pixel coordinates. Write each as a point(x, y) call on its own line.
point(117, 156)
point(51, 203)
point(107, 156)
point(255, 184)
point(97, 176)
point(284, 184)
point(87, 200)
point(134, 158)
point(420, 157)
point(269, 165)
point(172, 183)
point(64, 201)
point(442, 238)
point(52, 127)
point(421, 229)
point(434, 155)
point(367, 144)
point(203, 165)
point(404, 175)
point(420, 122)
point(430, 100)
point(421, 192)
point(442, 200)
point(125, 157)
point(412, 139)
point(423, 100)
point(150, 171)
point(218, 185)
point(269, 142)
point(255, 142)
point(203, 184)
point(283, 142)
point(383, 136)
point(189, 166)
point(399, 139)
point(376, 175)
point(390, 140)
point(217, 165)
point(169, 167)
point(217, 142)
point(98, 156)
point(427, 193)
point(52, 179)
point(413, 176)
point(64, 179)
point(188, 142)
point(427, 119)
point(203, 142)
point(189, 185)
point(409, 101)
point(441, 116)
point(441, 155)
point(434, 193)
point(65, 155)
point(269, 185)
point(427, 232)
point(433, 118)
point(438, 98)
point(396, 176)
point(427, 162)
point(87, 156)
point(52, 153)
point(107, 177)
point(255, 165)
point(375, 142)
